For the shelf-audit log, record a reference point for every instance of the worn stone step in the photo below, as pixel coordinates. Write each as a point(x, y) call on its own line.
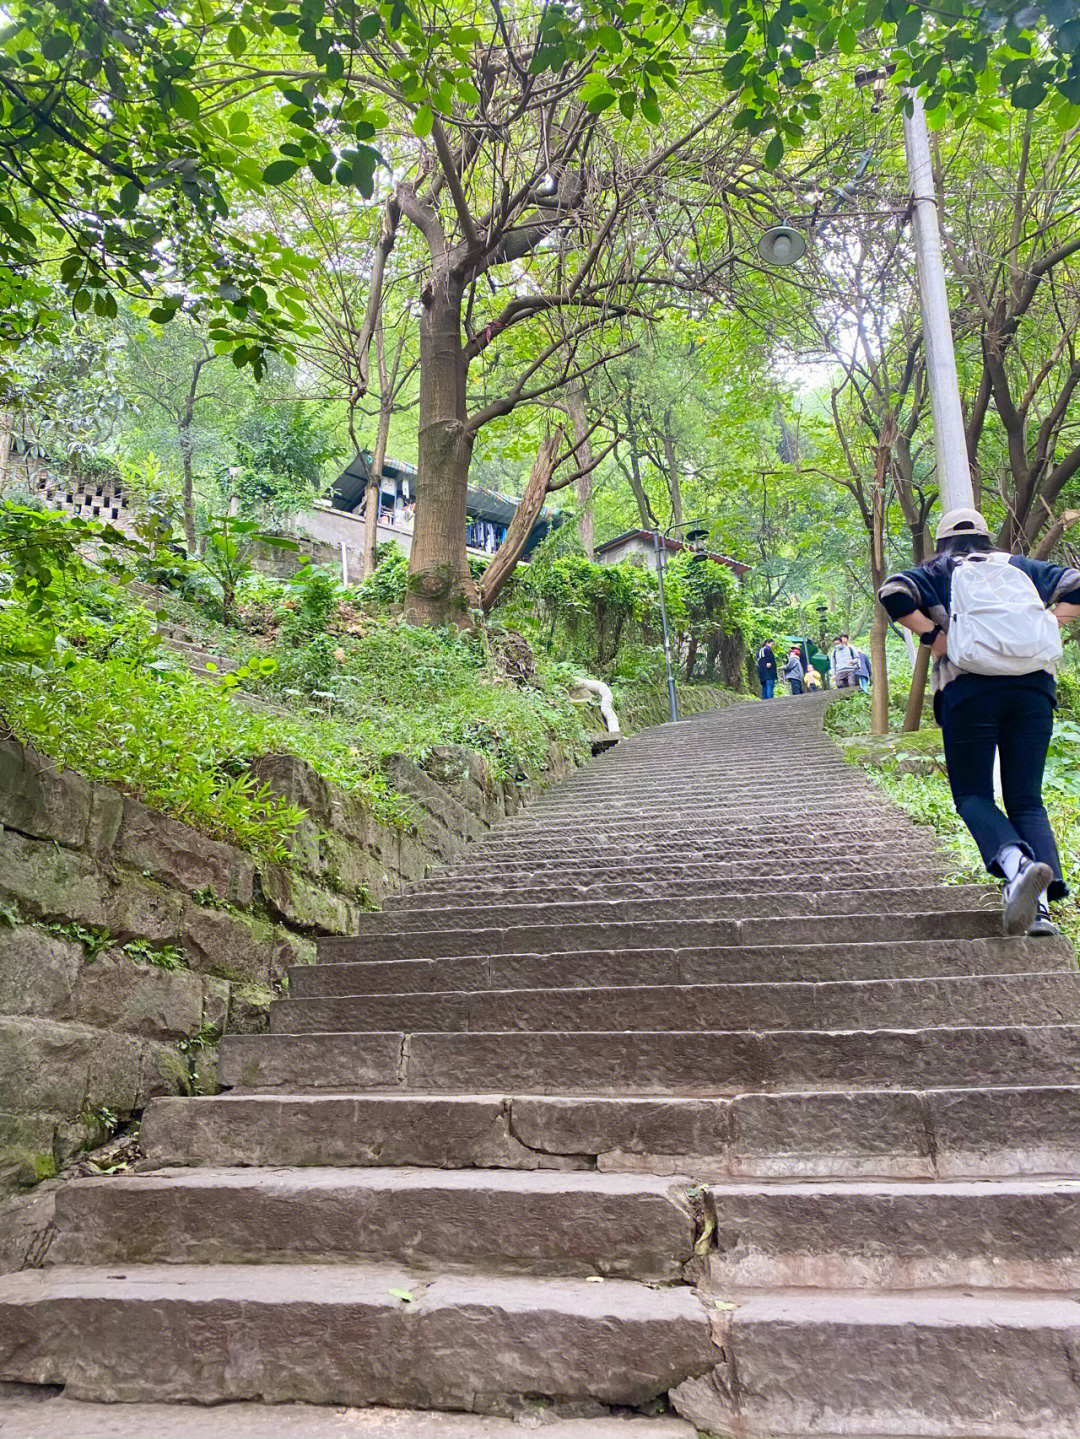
point(740, 964)
point(666, 932)
point(999, 1234)
point(32, 1417)
point(900, 1133)
point(901, 1364)
point(327, 1334)
point(671, 878)
point(877, 853)
point(656, 1062)
point(630, 1226)
point(863, 1004)
point(706, 903)
point(720, 838)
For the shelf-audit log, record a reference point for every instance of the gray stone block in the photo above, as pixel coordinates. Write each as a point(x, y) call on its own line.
point(306, 905)
point(182, 857)
point(236, 948)
point(38, 799)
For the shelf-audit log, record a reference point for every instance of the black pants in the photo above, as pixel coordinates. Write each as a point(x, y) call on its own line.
point(1017, 722)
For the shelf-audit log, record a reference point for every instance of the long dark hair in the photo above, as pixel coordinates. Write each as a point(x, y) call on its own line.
point(952, 547)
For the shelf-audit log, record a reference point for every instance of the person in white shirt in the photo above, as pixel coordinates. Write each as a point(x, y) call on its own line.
point(844, 664)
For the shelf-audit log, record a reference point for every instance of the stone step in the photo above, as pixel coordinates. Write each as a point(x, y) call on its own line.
point(996, 1234)
point(706, 903)
point(878, 853)
point(661, 933)
point(339, 1334)
point(630, 1226)
point(659, 880)
point(670, 878)
point(741, 964)
point(719, 832)
point(897, 1133)
point(1029, 999)
point(33, 1417)
point(815, 1362)
point(656, 1062)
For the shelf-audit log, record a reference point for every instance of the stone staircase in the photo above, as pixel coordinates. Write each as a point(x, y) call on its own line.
point(691, 1091)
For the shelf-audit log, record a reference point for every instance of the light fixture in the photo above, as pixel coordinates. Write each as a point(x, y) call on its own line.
point(696, 540)
point(782, 245)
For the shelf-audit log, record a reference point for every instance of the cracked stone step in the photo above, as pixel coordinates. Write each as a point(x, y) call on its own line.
point(482, 909)
point(745, 964)
point(673, 885)
point(337, 1334)
point(661, 932)
point(656, 1062)
point(46, 1417)
point(897, 1133)
point(865, 1004)
point(542, 1222)
point(901, 1364)
point(1000, 1234)
point(666, 880)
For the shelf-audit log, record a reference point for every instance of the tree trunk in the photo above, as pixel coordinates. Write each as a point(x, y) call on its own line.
point(520, 527)
point(917, 697)
point(371, 523)
point(439, 590)
point(582, 460)
point(879, 705)
point(189, 488)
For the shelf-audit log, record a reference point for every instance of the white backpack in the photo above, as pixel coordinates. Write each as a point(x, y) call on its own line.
point(998, 624)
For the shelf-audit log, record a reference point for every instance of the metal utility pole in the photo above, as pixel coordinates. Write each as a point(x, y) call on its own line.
point(950, 444)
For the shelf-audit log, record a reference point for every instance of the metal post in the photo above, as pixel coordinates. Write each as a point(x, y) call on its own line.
point(672, 701)
point(950, 445)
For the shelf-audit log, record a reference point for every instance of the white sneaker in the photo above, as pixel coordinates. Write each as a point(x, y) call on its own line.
point(1020, 899)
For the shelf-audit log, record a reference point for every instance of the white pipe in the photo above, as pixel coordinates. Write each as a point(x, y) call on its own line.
point(607, 702)
point(344, 566)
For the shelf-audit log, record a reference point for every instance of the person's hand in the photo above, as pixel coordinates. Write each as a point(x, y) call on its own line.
point(940, 648)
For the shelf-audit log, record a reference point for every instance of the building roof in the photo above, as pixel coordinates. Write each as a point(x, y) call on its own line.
point(669, 544)
point(481, 504)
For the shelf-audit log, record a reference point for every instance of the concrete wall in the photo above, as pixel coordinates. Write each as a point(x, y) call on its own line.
point(129, 942)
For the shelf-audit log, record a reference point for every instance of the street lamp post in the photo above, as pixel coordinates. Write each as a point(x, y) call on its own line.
point(659, 538)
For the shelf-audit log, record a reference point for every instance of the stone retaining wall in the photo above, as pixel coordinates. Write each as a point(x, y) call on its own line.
point(129, 941)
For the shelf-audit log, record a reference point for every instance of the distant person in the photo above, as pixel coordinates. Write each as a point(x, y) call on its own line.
point(844, 664)
point(767, 670)
point(992, 622)
point(793, 670)
point(863, 670)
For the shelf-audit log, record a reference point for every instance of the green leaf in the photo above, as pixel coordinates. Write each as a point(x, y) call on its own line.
point(236, 41)
point(610, 39)
point(56, 45)
point(651, 110)
point(846, 40)
point(908, 28)
point(1029, 96)
point(368, 27)
point(423, 120)
point(403, 1294)
point(601, 102)
point(627, 104)
point(278, 171)
point(774, 152)
point(184, 103)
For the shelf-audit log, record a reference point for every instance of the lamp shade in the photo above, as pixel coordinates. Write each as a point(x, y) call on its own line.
point(782, 245)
